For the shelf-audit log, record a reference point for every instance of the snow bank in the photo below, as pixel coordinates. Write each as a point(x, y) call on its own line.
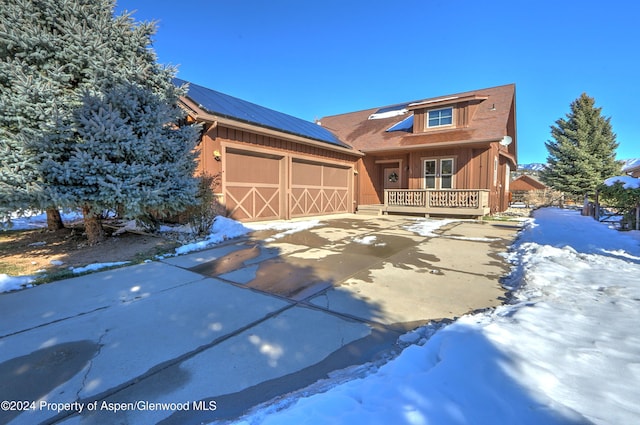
point(13, 283)
point(223, 228)
point(565, 351)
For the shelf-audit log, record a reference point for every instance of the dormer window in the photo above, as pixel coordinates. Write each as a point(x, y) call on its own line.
point(440, 117)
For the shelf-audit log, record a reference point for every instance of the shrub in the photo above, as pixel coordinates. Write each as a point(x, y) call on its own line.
point(207, 207)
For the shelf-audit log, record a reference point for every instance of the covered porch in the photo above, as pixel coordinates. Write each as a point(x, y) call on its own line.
point(427, 202)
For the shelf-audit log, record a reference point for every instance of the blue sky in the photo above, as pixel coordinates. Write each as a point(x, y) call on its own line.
point(312, 59)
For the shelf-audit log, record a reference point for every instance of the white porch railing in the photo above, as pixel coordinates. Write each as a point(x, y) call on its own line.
point(474, 202)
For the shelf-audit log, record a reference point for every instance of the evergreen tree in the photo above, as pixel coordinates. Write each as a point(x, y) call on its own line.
point(61, 65)
point(121, 153)
point(582, 154)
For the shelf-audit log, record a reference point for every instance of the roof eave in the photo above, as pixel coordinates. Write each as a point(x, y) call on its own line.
point(448, 144)
point(203, 116)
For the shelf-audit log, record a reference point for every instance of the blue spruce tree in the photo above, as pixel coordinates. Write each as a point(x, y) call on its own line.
point(90, 119)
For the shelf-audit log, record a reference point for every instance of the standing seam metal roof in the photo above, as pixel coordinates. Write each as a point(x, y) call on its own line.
point(227, 106)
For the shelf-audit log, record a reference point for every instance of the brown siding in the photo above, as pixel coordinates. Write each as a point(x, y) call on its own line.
point(368, 173)
point(419, 120)
point(474, 170)
point(462, 114)
point(214, 138)
point(370, 176)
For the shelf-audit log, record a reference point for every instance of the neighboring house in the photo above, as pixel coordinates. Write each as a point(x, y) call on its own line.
point(528, 190)
point(271, 165)
point(526, 183)
point(450, 155)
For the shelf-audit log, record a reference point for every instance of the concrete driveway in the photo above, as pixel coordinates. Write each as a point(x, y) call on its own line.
point(206, 336)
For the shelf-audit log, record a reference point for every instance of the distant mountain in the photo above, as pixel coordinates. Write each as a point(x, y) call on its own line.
point(536, 166)
point(629, 163)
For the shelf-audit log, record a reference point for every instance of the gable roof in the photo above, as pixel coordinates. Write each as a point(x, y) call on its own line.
point(390, 127)
point(526, 182)
point(225, 106)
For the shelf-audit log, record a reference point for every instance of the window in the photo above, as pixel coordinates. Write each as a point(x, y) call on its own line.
point(446, 173)
point(439, 117)
point(430, 173)
point(438, 173)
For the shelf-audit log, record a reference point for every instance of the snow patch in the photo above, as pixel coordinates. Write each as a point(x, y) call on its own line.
point(285, 228)
point(97, 266)
point(36, 220)
point(223, 228)
point(426, 227)
point(365, 240)
point(388, 114)
point(14, 283)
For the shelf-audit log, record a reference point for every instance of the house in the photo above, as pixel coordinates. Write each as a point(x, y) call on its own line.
point(526, 183)
point(270, 165)
point(450, 155)
point(527, 189)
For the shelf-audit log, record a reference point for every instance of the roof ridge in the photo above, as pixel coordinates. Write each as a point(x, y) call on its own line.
point(468, 92)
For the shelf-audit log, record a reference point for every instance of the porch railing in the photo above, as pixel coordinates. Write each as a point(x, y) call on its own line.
point(428, 201)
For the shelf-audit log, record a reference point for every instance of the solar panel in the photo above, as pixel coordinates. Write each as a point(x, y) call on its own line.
point(231, 107)
point(404, 125)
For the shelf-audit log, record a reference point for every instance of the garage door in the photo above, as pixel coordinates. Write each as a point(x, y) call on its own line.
point(253, 186)
point(318, 189)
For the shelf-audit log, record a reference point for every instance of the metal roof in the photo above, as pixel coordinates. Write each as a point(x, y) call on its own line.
point(227, 106)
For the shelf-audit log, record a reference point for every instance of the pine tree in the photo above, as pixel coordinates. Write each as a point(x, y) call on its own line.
point(582, 154)
point(61, 65)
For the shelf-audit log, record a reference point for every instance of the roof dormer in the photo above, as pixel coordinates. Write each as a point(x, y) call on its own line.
point(444, 113)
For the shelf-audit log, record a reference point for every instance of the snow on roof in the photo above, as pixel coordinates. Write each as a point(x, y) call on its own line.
point(387, 114)
point(628, 182)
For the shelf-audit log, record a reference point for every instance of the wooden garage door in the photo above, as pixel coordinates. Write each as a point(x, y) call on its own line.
point(253, 186)
point(318, 189)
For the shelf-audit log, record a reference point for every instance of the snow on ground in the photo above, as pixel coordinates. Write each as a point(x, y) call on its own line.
point(13, 283)
point(97, 266)
point(223, 228)
point(566, 350)
point(365, 240)
point(283, 227)
point(428, 227)
point(35, 220)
